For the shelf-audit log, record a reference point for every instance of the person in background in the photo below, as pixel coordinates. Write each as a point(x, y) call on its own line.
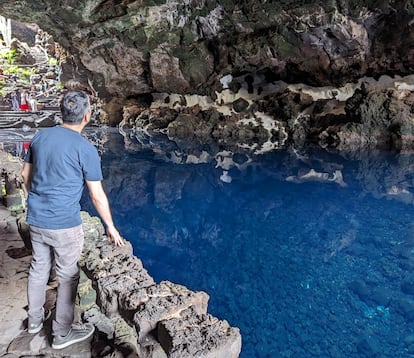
point(15, 101)
point(24, 100)
point(58, 163)
point(33, 99)
point(32, 79)
point(26, 147)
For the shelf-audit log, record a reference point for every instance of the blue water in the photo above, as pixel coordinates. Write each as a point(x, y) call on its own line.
point(305, 268)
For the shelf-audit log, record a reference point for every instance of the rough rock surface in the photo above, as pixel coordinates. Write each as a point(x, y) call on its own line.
point(129, 49)
point(175, 333)
point(132, 305)
point(164, 301)
point(368, 114)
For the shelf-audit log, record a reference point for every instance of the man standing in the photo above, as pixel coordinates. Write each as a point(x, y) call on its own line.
point(15, 101)
point(58, 163)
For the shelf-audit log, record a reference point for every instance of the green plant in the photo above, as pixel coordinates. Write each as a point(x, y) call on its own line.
point(8, 56)
point(51, 61)
point(22, 73)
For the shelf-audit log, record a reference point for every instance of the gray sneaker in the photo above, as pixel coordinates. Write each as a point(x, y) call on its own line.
point(78, 333)
point(35, 327)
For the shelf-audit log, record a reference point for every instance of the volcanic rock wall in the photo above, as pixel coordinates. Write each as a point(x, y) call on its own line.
point(131, 49)
point(137, 317)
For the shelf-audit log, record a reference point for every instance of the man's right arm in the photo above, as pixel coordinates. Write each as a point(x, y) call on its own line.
point(101, 204)
point(27, 175)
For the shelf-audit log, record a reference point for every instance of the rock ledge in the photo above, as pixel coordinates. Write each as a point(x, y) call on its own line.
point(137, 317)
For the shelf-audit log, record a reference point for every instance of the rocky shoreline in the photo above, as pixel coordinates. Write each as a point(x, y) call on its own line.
point(142, 318)
point(134, 316)
point(257, 117)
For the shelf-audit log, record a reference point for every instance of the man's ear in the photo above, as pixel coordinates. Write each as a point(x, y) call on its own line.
point(87, 117)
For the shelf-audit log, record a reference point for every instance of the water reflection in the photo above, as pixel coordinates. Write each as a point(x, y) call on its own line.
point(382, 174)
point(309, 252)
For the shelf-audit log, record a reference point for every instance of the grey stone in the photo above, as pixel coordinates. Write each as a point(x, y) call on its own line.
point(126, 339)
point(102, 323)
point(24, 230)
point(166, 300)
point(26, 344)
point(109, 288)
point(92, 226)
point(151, 348)
point(240, 105)
point(198, 335)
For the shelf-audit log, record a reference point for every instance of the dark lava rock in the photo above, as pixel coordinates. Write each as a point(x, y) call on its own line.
point(240, 105)
point(360, 289)
point(240, 158)
point(407, 285)
point(382, 296)
point(405, 307)
point(368, 347)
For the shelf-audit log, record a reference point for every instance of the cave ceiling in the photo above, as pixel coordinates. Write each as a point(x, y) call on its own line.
point(127, 48)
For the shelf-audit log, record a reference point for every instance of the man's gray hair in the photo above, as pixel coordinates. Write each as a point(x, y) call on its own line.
point(74, 106)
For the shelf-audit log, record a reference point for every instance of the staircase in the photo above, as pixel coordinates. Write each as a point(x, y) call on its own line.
point(39, 54)
point(10, 119)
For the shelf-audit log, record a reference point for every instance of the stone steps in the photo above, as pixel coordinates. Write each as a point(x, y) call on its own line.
point(39, 55)
point(18, 119)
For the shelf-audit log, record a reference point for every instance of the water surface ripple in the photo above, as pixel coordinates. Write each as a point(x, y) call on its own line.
point(310, 254)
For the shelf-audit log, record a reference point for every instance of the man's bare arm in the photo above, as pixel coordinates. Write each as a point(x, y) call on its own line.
point(27, 175)
point(101, 204)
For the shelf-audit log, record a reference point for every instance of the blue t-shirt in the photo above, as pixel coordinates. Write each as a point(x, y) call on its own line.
point(62, 159)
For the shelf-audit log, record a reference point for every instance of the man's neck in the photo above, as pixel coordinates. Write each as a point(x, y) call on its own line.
point(78, 127)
